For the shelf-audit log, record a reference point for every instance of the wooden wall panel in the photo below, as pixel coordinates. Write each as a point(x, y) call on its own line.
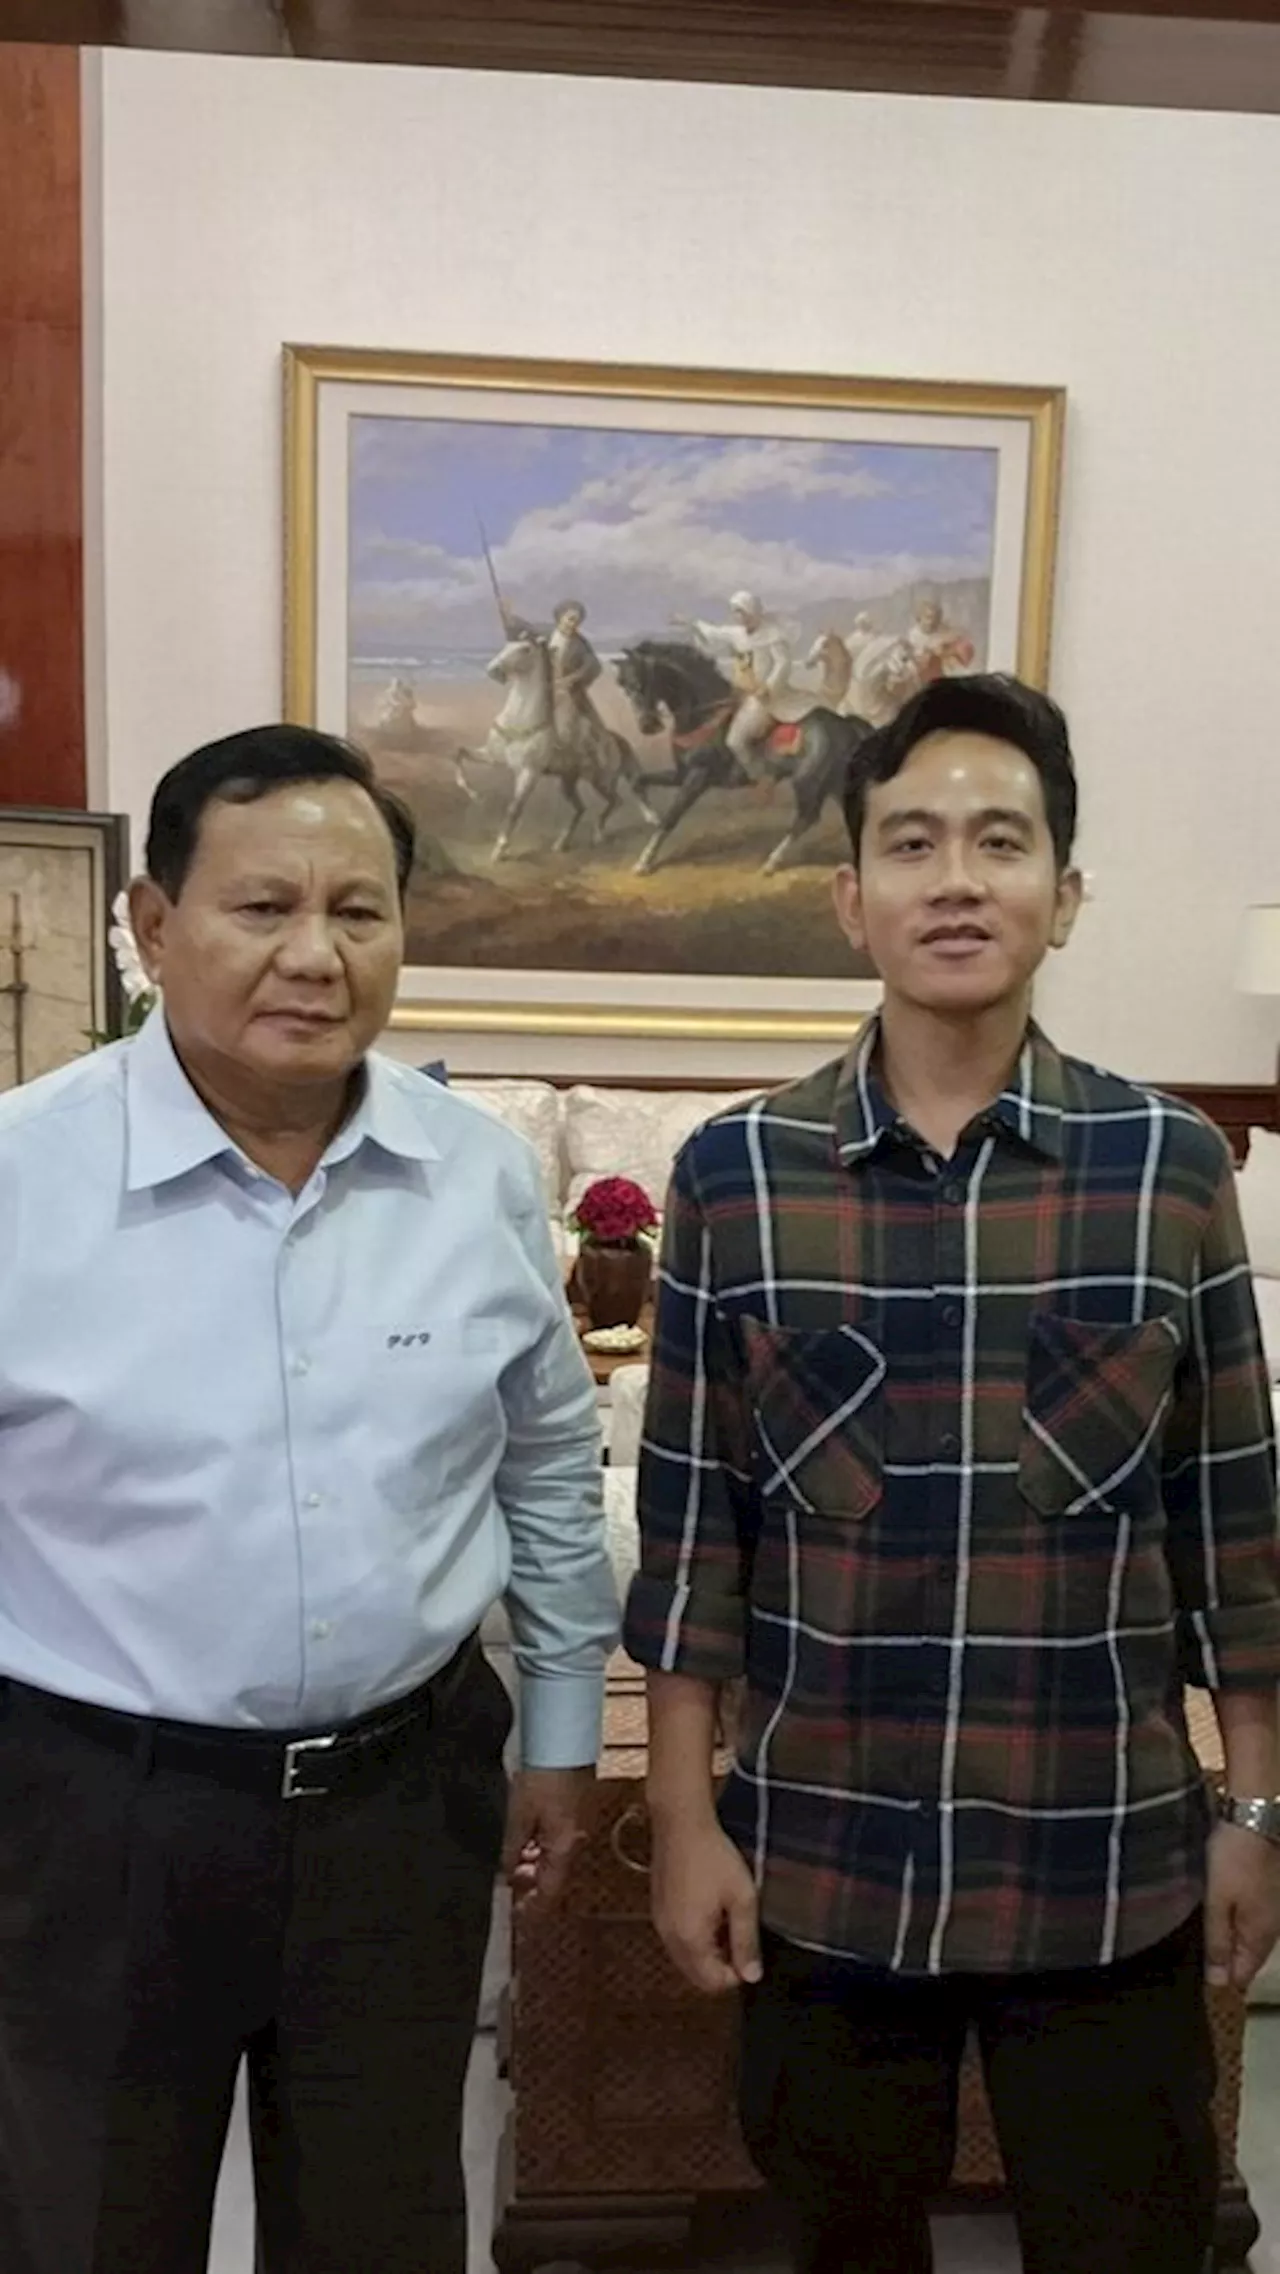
point(1185, 53)
point(1236, 1107)
point(1194, 54)
point(41, 514)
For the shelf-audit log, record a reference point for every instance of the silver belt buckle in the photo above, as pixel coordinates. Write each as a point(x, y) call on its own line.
point(291, 1785)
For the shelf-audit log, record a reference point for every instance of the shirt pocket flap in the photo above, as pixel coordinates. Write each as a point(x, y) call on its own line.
point(1096, 1397)
point(816, 1412)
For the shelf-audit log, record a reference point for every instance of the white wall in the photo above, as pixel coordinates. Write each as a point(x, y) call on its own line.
point(1127, 255)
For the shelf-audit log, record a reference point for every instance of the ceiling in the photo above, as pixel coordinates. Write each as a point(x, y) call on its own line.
point(1187, 53)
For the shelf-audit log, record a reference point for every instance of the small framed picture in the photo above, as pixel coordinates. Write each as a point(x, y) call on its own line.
point(59, 989)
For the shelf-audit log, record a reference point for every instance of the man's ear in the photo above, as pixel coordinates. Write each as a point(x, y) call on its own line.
point(149, 911)
point(846, 891)
point(1066, 906)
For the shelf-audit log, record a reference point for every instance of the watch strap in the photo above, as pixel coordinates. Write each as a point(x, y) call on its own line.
point(1260, 1816)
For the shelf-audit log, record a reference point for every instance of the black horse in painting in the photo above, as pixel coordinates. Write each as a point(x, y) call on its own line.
point(671, 676)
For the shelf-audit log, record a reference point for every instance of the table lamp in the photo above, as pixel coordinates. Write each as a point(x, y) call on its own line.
point(1259, 972)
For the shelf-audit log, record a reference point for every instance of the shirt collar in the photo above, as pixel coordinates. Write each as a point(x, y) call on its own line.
point(171, 1131)
point(1031, 1105)
point(387, 1115)
point(1029, 1108)
point(862, 1112)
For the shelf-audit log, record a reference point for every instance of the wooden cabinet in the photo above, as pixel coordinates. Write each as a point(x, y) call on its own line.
point(623, 2138)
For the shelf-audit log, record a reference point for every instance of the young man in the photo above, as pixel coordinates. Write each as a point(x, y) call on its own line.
point(958, 1456)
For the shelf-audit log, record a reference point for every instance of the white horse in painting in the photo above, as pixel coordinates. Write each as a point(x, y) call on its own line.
point(869, 675)
point(395, 717)
point(394, 724)
point(525, 738)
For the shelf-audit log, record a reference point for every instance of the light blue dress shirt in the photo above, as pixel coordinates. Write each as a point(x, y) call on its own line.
point(265, 1461)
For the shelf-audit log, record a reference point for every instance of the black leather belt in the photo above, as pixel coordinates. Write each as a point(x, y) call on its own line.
point(306, 1766)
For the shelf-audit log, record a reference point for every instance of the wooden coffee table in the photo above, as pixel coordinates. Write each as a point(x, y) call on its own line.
point(604, 1364)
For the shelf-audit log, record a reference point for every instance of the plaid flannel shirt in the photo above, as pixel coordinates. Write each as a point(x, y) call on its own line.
point(963, 1467)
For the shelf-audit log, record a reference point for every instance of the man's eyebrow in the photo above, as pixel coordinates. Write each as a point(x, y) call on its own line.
point(903, 814)
point(271, 880)
point(1008, 815)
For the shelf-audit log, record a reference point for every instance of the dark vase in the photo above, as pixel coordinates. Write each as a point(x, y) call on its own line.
point(614, 1283)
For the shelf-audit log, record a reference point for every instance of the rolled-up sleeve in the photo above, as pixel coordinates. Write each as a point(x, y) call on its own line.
point(561, 1598)
point(686, 1611)
point(1220, 1474)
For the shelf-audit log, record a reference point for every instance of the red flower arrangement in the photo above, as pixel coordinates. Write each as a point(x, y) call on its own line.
point(614, 1212)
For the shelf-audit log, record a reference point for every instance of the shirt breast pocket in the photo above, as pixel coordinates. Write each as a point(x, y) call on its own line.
point(1096, 1400)
point(434, 1380)
point(817, 1414)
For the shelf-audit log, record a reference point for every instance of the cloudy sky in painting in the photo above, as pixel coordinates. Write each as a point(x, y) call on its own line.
point(642, 526)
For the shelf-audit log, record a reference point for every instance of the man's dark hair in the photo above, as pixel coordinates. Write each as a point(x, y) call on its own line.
point(244, 767)
point(982, 702)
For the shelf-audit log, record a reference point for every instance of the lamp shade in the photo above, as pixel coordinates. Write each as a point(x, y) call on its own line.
point(1259, 972)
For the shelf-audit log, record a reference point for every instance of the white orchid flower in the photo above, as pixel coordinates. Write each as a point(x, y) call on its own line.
point(139, 989)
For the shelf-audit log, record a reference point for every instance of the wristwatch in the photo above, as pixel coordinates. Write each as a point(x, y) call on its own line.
point(1261, 1816)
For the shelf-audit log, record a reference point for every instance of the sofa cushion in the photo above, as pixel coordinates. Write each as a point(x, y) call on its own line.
point(628, 1389)
point(635, 1133)
point(533, 1110)
point(621, 1530)
point(1267, 1296)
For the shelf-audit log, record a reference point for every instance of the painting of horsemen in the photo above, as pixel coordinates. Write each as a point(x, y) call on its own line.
point(619, 643)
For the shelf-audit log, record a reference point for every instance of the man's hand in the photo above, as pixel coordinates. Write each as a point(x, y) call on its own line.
point(546, 1821)
point(704, 1907)
point(1242, 1906)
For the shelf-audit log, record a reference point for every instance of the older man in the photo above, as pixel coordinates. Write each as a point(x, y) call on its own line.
point(289, 1396)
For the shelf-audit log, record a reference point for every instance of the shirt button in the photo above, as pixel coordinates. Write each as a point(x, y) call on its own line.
point(321, 1629)
point(949, 1446)
point(300, 1366)
point(952, 1315)
point(954, 1194)
point(312, 1500)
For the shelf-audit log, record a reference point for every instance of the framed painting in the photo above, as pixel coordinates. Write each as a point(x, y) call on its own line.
point(615, 633)
point(59, 987)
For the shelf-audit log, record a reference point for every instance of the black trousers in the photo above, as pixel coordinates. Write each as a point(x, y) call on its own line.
point(1100, 2085)
point(156, 1926)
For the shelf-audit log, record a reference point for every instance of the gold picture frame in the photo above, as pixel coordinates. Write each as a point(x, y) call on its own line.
point(60, 991)
point(1016, 431)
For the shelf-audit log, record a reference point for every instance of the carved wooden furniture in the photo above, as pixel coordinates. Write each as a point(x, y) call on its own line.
point(623, 2139)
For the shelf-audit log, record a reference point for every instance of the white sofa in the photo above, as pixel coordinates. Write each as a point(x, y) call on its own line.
point(586, 1132)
